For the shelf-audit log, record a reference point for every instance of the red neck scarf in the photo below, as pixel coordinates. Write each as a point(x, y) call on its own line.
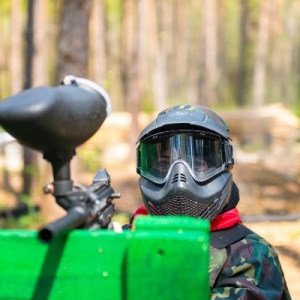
point(221, 221)
point(225, 220)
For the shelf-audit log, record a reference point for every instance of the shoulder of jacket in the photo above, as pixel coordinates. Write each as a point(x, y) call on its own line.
point(223, 238)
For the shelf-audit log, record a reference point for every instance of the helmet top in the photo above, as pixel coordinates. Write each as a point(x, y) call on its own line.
point(187, 116)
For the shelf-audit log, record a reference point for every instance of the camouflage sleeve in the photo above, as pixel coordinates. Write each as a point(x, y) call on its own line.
point(251, 270)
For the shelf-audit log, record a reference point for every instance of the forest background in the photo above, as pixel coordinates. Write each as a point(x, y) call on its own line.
point(238, 57)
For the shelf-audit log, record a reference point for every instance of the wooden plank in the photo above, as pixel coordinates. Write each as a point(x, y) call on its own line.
point(162, 258)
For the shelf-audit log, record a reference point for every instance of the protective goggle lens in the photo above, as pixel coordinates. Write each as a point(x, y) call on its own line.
point(201, 151)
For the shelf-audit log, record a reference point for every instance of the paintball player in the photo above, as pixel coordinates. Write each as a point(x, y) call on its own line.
point(184, 158)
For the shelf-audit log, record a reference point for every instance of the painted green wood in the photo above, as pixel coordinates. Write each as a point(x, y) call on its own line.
point(162, 258)
point(169, 260)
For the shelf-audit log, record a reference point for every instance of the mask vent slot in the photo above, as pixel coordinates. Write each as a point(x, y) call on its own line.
point(180, 205)
point(179, 177)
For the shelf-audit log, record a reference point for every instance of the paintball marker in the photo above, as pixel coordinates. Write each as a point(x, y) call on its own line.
point(55, 121)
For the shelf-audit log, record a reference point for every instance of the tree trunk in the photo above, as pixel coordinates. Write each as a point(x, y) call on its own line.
point(261, 54)
point(97, 62)
point(210, 77)
point(289, 64)
point(29, 156)
point(132, 60)
point(161, 24)
point(195, 52)
point(277, 38)
point(243, 58)
point(15, 57)
point(73, 39)
point(2, 58)
point(41, 46)
point(179, 45)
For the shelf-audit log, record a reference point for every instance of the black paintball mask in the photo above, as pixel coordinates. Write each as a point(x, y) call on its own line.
point(184, 171)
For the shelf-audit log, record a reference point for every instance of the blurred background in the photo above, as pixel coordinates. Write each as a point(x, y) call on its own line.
point(241, 58)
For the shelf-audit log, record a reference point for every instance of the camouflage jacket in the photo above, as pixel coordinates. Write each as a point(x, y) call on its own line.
point(248, 268)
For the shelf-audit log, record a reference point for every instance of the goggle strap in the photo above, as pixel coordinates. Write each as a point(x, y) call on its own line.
point(228, 155)
point(138, 158)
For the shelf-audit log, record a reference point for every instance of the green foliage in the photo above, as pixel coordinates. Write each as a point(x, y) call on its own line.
point(90, 158)
point(30, 221)
point(253, 147)
point(25, 199)
point(148, 103)
point(114, 9)
point(5, 87)
point(295, 235)
point(109, 80)
point(230, 32)
point(194, 17)
point(122, 218)
point(31, 170)
point(113, 12)
point(295, 109)
point(5, 7)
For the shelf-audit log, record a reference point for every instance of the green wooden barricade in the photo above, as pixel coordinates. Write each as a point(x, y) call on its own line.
point(162, 258)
